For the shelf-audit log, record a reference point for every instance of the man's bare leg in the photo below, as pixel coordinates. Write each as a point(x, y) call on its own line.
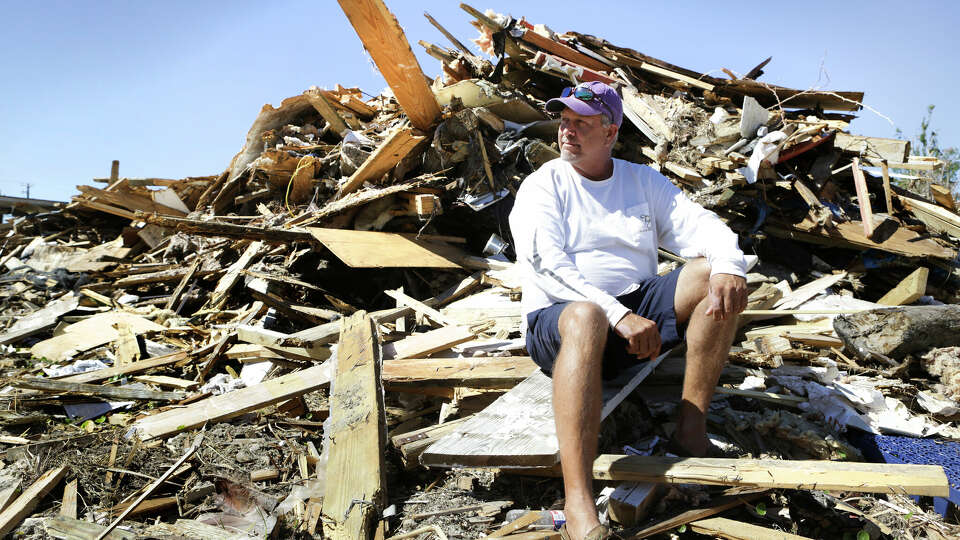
point(576, 408)
point(708, 344)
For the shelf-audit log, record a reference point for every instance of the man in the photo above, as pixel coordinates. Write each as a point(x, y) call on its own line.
point(586, 228)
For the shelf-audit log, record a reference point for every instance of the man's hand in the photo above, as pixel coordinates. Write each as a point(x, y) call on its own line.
point(643, 338)
point(727, 296)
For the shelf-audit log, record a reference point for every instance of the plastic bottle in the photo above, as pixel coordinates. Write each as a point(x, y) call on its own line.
point(549, 519)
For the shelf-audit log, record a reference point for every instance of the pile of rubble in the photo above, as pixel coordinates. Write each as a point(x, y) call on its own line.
point(325, 338)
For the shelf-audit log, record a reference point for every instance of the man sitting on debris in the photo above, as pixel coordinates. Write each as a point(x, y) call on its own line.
point(587, 228)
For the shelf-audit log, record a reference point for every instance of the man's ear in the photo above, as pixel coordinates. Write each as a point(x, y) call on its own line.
point(612, 134)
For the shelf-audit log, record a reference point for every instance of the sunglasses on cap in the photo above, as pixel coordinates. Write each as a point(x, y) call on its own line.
point(584, 93)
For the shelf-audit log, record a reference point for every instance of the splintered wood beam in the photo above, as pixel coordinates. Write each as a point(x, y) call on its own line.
point(230, 279)
point(429, 342)
point(907, 291)
point(384, 39)
point(715, 506)
point(134, 367)
point(663, 72)
point(394, 148)
point(778, 474)
point(68, 507)
point(718, 527)
point(232, 404)
point(357, 436)
point(561, 50)
point(873, 149)
point(113, 392)
point(23, 506)
point(470, 372)
point(863, 199)
point(456, 42)
point(887, 194)
point(850, 235)
point(326, 110)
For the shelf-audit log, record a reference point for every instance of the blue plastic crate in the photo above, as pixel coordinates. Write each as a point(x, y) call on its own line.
point(910, 450)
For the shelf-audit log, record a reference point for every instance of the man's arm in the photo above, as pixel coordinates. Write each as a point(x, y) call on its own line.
point(689, 230)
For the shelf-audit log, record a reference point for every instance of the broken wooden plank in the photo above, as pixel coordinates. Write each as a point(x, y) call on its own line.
point(40, 320)
point(518, 430)
point(909, 290)
point(66, 528)
point(863, 199)
point(428, 342)
point(777, 474)
point(326, 110)
point(935, 217)
point(89, 333)
point(19, 509)
point(357, 435)
point(135, 367)
point(719, 527)
point(9, 495)
point(887, 193)
point(270, 235)
point(112, 392)
point(850, 235)
point(370, 249)
point(222, 291)
point(559, 49)
point(231, 404)
point(715, 506)
point(470, 372)
point(943, 197)
point(168, 382)
point(396, 146)
point(645, 116)
point(68, 507)
point(873, 149)
point(384, 39)
point(663, 72)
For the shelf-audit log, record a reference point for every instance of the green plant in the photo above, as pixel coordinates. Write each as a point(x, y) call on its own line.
point(927, 143)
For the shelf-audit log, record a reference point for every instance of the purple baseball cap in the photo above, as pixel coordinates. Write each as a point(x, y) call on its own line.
point(588, 99)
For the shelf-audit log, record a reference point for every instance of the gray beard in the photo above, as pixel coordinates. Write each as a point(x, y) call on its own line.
point(568, 157)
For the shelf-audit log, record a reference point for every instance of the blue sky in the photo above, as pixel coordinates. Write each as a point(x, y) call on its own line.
point(170, 88)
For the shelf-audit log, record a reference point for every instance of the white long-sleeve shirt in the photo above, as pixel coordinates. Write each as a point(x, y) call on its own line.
point(580, 239)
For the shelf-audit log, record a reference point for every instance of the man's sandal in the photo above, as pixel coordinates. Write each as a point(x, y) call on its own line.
point(600, 532)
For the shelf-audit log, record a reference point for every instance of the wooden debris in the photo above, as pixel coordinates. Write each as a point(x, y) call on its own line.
point(907, 291)
point(112, 392)
point(356, 452)
point(824, 475)
point(19, 509)
point(231, 404)
point(385, 41)
point(728, 528)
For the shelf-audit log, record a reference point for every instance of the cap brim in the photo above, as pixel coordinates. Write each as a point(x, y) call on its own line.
point(586, 108)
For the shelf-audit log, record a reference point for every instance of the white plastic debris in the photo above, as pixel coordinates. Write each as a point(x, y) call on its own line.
point(753, 382)
point(222, 383)
point(766, 149)
point(719, 115)
point(937, 404)
point(80, 366)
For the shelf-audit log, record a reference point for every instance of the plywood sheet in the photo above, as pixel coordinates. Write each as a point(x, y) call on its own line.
point(369, 249)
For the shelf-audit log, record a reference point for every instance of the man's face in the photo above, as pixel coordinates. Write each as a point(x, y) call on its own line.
point(584, 137)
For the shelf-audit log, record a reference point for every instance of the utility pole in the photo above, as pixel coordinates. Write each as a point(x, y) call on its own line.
point(26, 188)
